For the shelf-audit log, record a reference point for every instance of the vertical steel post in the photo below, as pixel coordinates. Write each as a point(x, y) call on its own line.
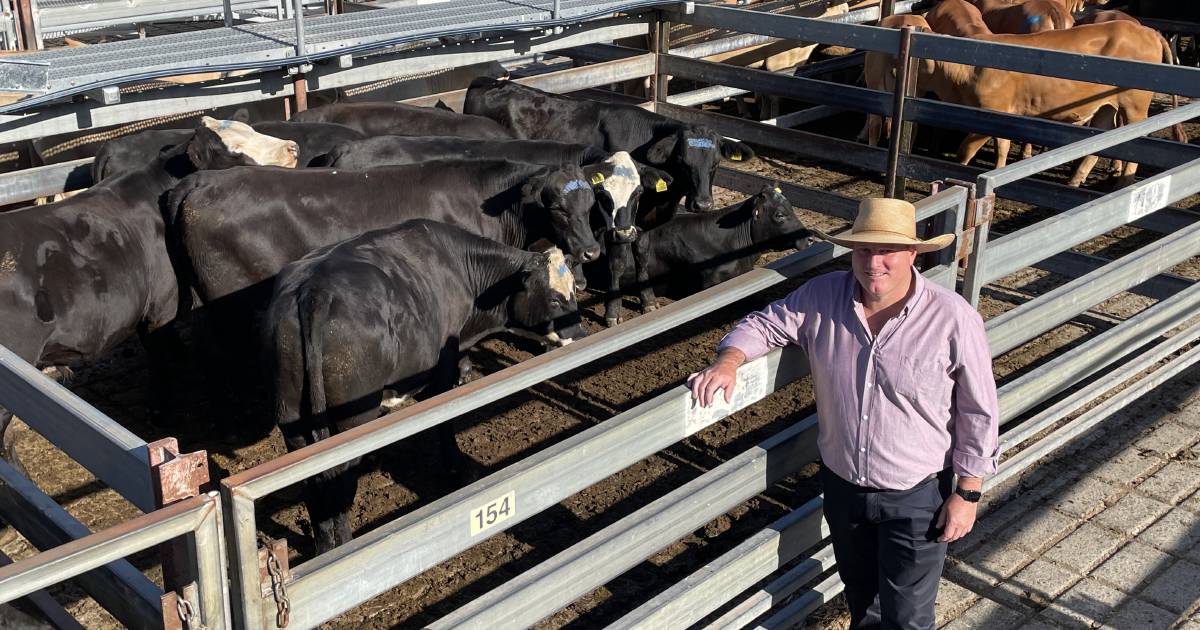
point(886, 8)
point(973, 280)
point(662, 46)
point(893, 187)
point(557, 11)
point(209, 539)
point(299, 81)
point(242, 546)
point(25, 25)
point(227, 7)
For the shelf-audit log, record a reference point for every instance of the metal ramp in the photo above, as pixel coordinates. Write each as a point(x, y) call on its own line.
point(77, 70)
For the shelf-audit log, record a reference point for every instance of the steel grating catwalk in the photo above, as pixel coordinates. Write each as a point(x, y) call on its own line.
point(100, 64)
point(73, 15)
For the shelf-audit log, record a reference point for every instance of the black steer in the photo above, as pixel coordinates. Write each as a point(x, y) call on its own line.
point(398, 119)
point(690, 153)
point(80, 276)
point(692, 252)
point(395, 308)
point(397, 150)
point(240, 226)
point(136, 150)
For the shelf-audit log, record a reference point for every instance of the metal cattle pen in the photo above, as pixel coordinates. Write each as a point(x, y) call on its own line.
point(332, 583)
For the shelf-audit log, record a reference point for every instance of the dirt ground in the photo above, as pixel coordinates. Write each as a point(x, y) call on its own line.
point(234, 428)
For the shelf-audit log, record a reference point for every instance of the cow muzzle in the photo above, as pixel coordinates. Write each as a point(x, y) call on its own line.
point(567, 335)
point(700, 205)
point(623, 235)
point(590, 253)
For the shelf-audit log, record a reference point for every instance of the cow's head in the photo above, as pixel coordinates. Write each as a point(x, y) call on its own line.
point(618, 183)
point(692, 153)
point(228, 143)
point(545, 304)
point(773, 222)
point(568, 198)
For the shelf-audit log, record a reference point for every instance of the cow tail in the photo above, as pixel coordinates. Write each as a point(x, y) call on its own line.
point(1169, 58)
point(313, 313)
point(174, 235)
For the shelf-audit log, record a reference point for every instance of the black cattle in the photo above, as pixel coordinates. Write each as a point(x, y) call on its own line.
point(690, 153)
point(239, 227)
point(692, 252)
point(395, 308)
point(80, 276)
point(397, 150)
point(135, 150)
point(398, 119)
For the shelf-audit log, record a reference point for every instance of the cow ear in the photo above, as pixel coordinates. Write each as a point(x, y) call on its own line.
point(655, 179)
point(530, 191)
point(597, 173)
point(541, 245)
point(736, 151)
point(241, 115)
point(660, 151)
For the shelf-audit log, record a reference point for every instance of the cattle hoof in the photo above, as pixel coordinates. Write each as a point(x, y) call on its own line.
point(612, 321)
point(649, 308)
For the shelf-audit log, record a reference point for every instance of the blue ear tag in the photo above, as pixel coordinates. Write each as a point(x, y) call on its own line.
point(562, 269)
point(225, 124)
point(574, 184)
point(1033, 20)
point(700, 143)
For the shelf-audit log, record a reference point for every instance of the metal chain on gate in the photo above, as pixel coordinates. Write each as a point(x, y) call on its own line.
point(282, 604)
point(185, 610)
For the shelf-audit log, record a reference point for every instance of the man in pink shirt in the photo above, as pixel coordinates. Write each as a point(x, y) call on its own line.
point(906, 402)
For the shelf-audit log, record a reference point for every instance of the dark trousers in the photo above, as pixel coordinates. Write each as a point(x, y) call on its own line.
point(887, 552)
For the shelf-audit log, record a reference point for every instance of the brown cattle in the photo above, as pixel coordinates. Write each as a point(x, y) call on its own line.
point(1023, 94)
point(879, 73)
point(1030, 16)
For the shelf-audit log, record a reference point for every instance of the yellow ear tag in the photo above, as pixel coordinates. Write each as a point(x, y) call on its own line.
point(597, 178)
point(736, 157)
point(660, 186)
point(778, 191)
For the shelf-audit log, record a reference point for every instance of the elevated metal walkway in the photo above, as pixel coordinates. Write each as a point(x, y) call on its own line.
point(72, 71)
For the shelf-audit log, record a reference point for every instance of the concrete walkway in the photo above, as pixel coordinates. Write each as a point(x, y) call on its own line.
point(1105, 533)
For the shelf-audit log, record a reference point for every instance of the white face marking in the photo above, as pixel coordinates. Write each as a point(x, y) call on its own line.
point(561, 279)
point(623, 182)
point(262, 149)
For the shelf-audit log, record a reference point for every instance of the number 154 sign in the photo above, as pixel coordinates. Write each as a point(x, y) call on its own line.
point(493, 513)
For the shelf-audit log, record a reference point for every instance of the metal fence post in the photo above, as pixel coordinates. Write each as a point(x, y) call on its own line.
point(176, 477)
point(900, 140)
point(985, 202)
point(662, 43)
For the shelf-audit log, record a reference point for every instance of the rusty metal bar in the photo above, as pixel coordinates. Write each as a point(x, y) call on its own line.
point(894, 186)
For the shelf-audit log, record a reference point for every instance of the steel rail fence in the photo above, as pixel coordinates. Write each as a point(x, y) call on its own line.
point(118, 587)
point(197, 519)
point(108, 450)
point(1052, 63)
point(312, 585)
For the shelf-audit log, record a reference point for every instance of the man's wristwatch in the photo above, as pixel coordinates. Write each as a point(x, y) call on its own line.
point(970, 496)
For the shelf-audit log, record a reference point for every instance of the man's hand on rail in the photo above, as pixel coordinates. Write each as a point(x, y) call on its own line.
point(722, 374)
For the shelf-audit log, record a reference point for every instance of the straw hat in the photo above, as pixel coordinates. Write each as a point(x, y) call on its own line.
point(883, 221)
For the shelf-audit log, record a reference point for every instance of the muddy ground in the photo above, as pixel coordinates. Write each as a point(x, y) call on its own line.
point(234, 428)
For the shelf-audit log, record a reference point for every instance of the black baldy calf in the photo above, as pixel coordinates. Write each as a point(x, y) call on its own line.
point(695, 251)
point(127, 153)
point(689, 153)
point(395, 308)
point(80, 276)
point(398, 119)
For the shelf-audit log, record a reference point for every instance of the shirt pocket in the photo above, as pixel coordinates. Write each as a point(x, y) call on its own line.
point(916, 378)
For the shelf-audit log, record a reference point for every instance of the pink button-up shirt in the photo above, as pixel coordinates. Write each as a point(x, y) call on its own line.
point(895, 408)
